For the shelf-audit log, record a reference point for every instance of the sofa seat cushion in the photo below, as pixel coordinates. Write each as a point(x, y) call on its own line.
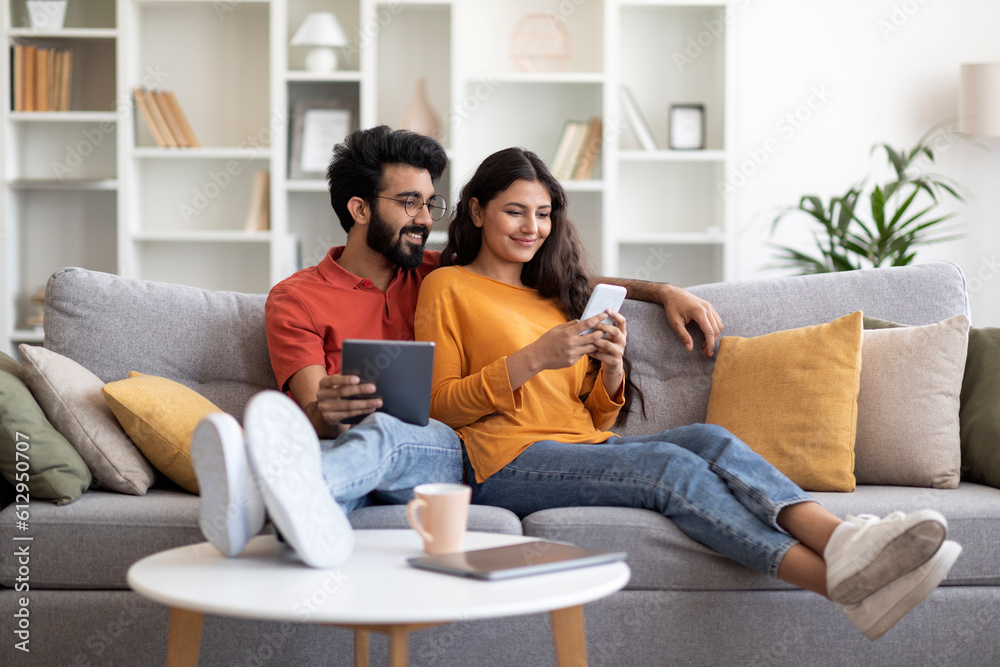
point(92, 542)
point(663, 558)
point(481, 519)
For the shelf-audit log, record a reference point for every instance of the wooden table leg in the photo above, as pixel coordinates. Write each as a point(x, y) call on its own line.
point(361, 648)
point(569, 636)
point(398, 649)
point(184, 638)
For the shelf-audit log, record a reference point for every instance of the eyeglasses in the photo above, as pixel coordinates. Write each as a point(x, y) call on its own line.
point(436, 205)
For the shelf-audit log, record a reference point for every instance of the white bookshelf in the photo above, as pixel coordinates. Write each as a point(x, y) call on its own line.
point(126, 207)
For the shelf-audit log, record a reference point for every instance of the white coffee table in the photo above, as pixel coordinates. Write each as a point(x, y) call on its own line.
point(373, 591)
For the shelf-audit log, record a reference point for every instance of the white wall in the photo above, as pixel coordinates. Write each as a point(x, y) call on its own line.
point(874, 71)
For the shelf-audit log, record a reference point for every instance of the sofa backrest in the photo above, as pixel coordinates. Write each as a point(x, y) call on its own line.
point(213, 342)
point(677, 383)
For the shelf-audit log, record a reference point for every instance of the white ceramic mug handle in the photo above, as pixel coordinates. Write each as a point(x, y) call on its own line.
point(413, 518)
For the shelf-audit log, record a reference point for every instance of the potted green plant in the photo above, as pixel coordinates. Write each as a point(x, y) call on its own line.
point(881, 225)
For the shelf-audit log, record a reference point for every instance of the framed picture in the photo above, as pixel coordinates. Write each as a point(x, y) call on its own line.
point(317, 125)
point(687, 127)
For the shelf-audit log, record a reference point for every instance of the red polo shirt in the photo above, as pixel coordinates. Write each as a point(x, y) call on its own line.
point(309, 314)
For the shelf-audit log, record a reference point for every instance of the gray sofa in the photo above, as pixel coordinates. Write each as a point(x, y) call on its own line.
point(684, 604)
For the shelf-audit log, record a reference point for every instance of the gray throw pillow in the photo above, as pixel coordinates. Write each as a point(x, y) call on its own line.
point(908, 405)
point(71, 397)
point(33, 455)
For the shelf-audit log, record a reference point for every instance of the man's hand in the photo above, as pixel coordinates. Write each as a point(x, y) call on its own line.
point(326, 399)
point(336, 398)
point(682, 307)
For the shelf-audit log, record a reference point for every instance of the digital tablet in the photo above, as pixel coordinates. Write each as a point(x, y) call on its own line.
point(401, 372)
point(515, 560)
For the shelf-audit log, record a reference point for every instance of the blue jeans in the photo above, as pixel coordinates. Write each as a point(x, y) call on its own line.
point(708, 482)
point(389, 457)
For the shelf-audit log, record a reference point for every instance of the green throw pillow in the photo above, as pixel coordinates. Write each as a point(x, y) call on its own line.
point(31, 450)
point(979, 414)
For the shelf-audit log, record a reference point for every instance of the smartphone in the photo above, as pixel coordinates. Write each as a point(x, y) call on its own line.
point(603, 297)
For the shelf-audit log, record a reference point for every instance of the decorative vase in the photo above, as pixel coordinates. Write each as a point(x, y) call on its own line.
point(419, 117)
point(46, 14)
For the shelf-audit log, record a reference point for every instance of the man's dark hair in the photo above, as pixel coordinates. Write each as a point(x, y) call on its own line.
point(358, 163)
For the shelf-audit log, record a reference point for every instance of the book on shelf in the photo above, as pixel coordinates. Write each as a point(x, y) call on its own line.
point(636, 120)
point(165, 118)
point(42, 78)
point(578, 150)
point(259, 215)
point(591, 151)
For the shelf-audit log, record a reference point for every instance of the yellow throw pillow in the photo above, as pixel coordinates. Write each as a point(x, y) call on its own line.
point(160, 416)
point(793, 397)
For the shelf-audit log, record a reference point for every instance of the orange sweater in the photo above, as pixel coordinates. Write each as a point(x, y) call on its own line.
point(475, 323)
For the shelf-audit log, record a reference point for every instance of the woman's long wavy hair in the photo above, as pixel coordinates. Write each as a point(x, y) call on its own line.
point(558, 270)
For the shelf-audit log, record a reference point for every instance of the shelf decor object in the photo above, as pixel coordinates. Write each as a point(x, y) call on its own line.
point(540, 43)
point(322, 31)
point(687, 127)
point(47, 14)
point(318, 125)
point(420, 117)
point(636, 120)
point(979, 103)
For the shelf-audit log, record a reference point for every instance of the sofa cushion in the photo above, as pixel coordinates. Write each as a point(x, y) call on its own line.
point(213, 342)
point(71, 397)
point(482, 518)
point(793, 397)
point(663, 558)
point(91, 543)
point(160, 415)
point(980, 416)
point(32, 451)
point(979, 412)
point(677, 383)
point(908, 406)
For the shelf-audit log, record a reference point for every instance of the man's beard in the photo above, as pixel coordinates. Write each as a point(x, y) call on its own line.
point(383, 239)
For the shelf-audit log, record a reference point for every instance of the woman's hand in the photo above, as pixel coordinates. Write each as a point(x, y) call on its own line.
point(559, 347)
point(610, 350)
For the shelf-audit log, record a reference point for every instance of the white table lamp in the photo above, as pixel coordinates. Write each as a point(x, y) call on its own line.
point(979, 101)
point(322, 31)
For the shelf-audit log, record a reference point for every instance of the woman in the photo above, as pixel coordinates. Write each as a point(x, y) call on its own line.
point(532, 400)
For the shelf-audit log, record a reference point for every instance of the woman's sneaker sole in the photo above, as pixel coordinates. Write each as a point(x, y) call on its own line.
point(880, 611)
point(903, 553)
point(285, 455)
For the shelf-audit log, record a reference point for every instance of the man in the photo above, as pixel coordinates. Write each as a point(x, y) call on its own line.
point(382, 190)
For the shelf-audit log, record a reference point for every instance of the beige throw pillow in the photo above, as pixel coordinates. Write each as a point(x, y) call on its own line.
point(908, 405)
point(72, 400)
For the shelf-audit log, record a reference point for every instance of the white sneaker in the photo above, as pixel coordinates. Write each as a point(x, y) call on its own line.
point(232, 510)
point(865, 553)
point(285, 455)
point(880, 611)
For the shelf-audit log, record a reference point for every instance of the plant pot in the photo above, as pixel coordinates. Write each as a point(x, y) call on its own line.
point(46, 14)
